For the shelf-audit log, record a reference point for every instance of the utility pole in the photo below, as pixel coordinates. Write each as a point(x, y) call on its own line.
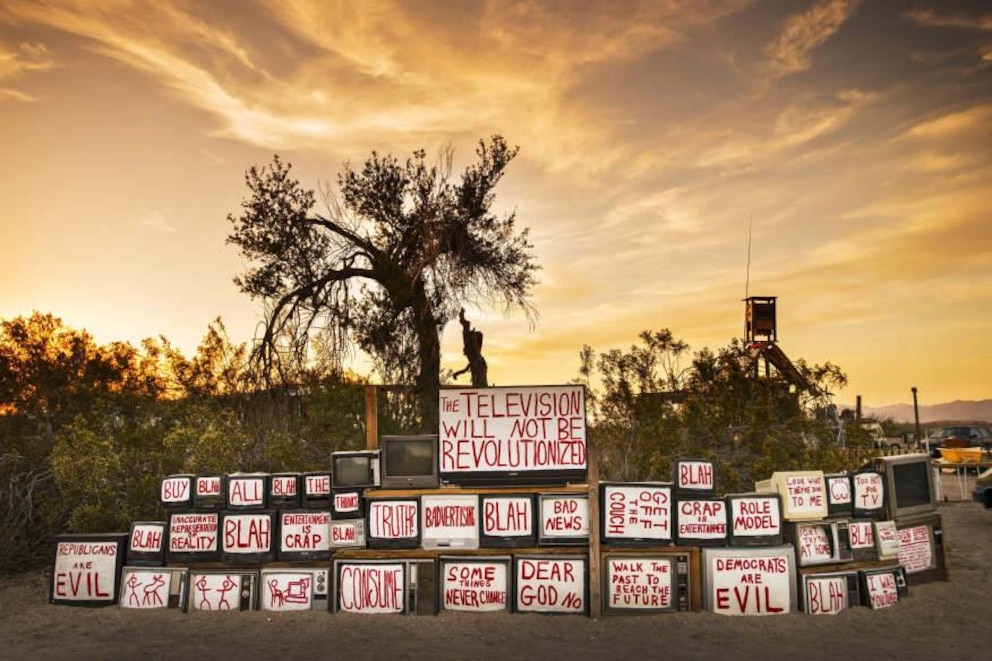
point(916, 415)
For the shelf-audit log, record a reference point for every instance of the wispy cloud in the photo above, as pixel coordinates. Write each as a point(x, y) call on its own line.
point(933, 19)
point(18, 62)
point(952, 124)
point(156, 221)
point(801, 33)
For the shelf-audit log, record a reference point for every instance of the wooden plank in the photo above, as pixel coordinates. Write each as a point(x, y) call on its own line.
point(595, 557)
point(455, 490)
point(371, 417)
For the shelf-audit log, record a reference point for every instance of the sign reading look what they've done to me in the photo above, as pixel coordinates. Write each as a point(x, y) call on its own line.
point(535, 431)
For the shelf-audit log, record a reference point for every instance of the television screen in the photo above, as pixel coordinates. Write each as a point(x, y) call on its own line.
point(819, 542)
point(839, 501)
point(564, 519)
point(550, 584)
point(507, 520)
point(153, 587)
point(348, 504)
point(409, 462)
point(635, 513)
point(803, 493)
point(87, 569)
point(304, 535)
point(194, 537)
point(347, 534)
point(883, 587)
point(700, 521)
point(370, 586)
point(513, 435)
point(210, 492)
point(755, 519)
point(693, 477)
point(394, 523)
point(909, 485)
point(284, 490)
point(316, 489)
point(247, 491)
point(752, 581)
point(921, 548)
point(176, 491)
point(294, 589)
point(221, 590)
point(886, 540)
point(478, 584)
point(828, 593)
point(147, 542)
point(248, 537)
point(862, 534)
point(868, 494)
point(355, 470)
point(449, 521)
point(648, 583)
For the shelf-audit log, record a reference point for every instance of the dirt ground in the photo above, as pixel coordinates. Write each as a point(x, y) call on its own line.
point(939, 620)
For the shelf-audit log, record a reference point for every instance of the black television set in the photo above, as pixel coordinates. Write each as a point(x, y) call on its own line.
point(693, 477)
point(150, 588)
point(284, 490)
point(700, 521)
point(247, 491)
point(248, 537)
point(828, 592)
point(563, 519)
point(754, 519)
point(348, 504)
point(176, 491)
point(507, 520)
point(210, 492)
point(636, 513)
point(147, 543)
point(820, 542)
point(357, 469)
point(304, 535)
point(839, 501)
point(883, 587)
point(551, 584)
point(348, 534)
point(862, 535)
point(87, 569)
point(194, 537)
point(475, 584)
point(909, 485)
point(868, 494)
point(393, 523)
point(316, 488)
point(409, 462)
point(647, 583)
point(227, 589)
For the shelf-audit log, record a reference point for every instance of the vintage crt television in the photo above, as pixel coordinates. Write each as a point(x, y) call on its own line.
point(176, 491)
point(803, 493)
point(862, 534)
point(507, 520)
point(221, 590)
point(868, 494)
point(828, 593)
point(396, 586)
point(348, 534)
point(355, 470)
point(294, 589)
point(749, 581)
point(754, 519)
point(87, 569)
point(247, 491)
point(316, 488)
point(839, 501)
point(449, 521)
point(563, 519)
point(886, 539)
point(693, 477)
point(210, 492)
point(909, 485)
point(700, 521)
point(551, 584)
point(153, 587)
point(475, 584)
point(147, 543)
point(647, 582)
point(393, 523)
point(409, 462)
point(248, 537)
point(636, 513)
point(348, 504)
point(921, 548)
point(304, 535)
point(284, 490)
point(194, 536)
point(882, 587)
point(819, 542)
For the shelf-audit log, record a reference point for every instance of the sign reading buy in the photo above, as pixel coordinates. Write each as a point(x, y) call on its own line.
point(536, 431)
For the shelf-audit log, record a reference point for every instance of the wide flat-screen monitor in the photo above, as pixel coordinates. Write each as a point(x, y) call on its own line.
point(646, 583)
point(909, 485)
point(355, 470)
point(409, 462)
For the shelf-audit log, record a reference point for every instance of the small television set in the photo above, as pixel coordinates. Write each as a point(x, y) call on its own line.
point(839, 501)
point(700, 521)
point(210, 492)
point(909, 485)
point(868, 494)
point(635, 513)
point(230, 590)
point(294, 589)
point(348, 534)
point(248, 537)
point(921, 548)
point(87, 569)
point(316, 486)
point(284, 490)
point(304, 535)
point(449, 521)
point(754, 519)
point(883, 587)
point(862, 535)
point(150, 588)
point(247, 491)
point(393, 523)
point(819, 542)
point(355, 470)
point(551, 584)
point(749, 581)
point(147, 543)
point(507, 521)
point(886, 540)
point(176, 491)
point(475, 584)
point(194, 537)
point(828, 593)
point(646, 583)
point(348, 504)
point(693, 477)
point(803, 493)
point(371, 586)
point(409, 462)
point(563, 519)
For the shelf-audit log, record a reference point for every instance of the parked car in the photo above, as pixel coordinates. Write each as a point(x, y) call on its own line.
point(983, 489)
point(966, 435)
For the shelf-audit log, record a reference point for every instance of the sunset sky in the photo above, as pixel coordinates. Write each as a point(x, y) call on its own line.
point(852, 140)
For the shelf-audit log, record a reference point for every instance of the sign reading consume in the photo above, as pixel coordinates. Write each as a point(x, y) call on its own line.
point(526, 433)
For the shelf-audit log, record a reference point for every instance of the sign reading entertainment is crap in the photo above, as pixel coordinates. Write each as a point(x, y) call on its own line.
point(512, 429)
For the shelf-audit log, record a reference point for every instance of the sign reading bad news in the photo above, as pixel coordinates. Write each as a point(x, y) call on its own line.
point(514, 431)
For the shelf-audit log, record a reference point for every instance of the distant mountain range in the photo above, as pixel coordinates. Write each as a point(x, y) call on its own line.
point(958, 411)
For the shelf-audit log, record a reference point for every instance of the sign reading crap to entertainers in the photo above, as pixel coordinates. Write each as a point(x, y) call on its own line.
point(512, 430)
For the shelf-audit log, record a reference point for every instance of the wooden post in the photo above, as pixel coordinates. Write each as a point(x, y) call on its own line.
point(595, 571)
point(371, 417)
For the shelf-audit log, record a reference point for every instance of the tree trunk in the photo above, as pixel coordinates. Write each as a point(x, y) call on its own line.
point(429, 378)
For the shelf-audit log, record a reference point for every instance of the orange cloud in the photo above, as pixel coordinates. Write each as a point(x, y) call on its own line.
point(802, 33)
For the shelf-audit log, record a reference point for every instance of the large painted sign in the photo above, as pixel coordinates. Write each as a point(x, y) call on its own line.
point(87, 569)
point(550, 584)
point(475, 584)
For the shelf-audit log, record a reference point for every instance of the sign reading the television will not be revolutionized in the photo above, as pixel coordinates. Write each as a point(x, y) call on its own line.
point(537, 428)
